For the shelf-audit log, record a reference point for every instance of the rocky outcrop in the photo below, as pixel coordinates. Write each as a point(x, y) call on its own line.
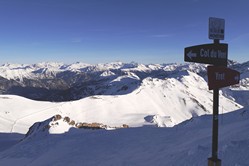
point(84, 125)
point(90, 125)
point(57, 117)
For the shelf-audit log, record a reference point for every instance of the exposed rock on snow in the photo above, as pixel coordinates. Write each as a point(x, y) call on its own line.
point(59, 125)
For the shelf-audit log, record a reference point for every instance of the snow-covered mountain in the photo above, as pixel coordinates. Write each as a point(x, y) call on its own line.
point(61, 82)
point(114, 94)
point(118, 93)
point(111, 96)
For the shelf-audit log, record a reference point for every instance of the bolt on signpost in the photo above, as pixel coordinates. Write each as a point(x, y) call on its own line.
point(218, 75)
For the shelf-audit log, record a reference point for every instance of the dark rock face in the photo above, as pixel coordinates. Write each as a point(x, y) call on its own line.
point(65, 86)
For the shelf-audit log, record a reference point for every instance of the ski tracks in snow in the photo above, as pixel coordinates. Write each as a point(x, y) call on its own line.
point(32, 114)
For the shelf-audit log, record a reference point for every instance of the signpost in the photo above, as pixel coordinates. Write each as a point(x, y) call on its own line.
point(207, 53)
point(218, 75)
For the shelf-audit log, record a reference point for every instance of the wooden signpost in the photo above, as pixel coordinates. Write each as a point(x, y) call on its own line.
point(218, 75)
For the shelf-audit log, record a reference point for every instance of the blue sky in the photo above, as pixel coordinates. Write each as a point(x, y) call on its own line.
point(100, 31)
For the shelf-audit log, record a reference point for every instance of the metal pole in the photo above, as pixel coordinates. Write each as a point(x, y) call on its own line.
point(215, 124)
point(214, 161)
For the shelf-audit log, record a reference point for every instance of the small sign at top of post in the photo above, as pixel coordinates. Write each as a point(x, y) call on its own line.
point(216, 28)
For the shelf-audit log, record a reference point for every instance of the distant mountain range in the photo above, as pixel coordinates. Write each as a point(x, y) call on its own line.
point(113, 96)
point(49, 81)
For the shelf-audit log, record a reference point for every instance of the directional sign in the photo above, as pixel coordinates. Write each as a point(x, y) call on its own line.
point(219, 76)
point(216, 28)
point(215, 54)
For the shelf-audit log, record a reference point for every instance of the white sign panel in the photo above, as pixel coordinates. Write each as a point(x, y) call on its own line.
point(216, 28)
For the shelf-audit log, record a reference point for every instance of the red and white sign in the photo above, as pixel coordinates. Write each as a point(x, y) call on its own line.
point(219, 76)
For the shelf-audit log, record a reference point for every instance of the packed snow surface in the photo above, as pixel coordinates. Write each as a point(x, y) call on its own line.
point(186, 144)
point(169, 118)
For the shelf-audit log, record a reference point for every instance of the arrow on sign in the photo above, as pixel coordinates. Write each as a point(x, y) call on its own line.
point(236, 78)
point(191, 55)
point(215, 54)
point(220, 76)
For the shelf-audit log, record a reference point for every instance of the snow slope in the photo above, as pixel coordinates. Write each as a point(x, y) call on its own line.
point(17, 114)
point(187, 144)
point(172, 96)
point(162, 102)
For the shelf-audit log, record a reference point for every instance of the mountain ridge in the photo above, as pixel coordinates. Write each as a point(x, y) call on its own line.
point(51, 81)
point(167, 108)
